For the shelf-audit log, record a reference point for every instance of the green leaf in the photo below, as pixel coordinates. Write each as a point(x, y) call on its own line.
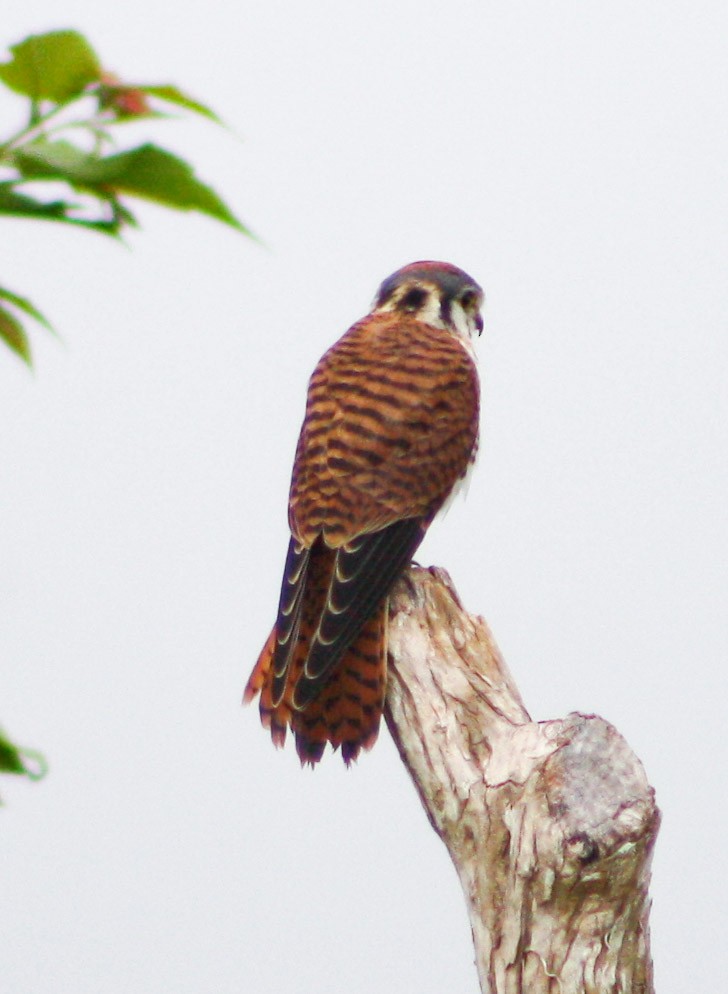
point(114, 94)
point(43, 159)
point(20, 205)
point(25, 762)
point(147, 171)
point(56, 66)
point(13, 334)
point(155, 174)
point(10, 759)
point(24, 305)
point(14, 204)
point(172, 95)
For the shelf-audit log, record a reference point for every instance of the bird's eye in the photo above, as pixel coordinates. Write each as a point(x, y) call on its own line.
point(414, 299)
point(468, 300)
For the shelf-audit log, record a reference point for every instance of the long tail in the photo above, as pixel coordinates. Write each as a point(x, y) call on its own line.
point(348, 710)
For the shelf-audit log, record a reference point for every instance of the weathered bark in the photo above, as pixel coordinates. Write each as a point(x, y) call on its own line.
point(550, 825)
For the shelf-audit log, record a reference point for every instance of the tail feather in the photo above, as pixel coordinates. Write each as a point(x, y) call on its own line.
point(258, 677)
point(274, 717)
point(348, 710)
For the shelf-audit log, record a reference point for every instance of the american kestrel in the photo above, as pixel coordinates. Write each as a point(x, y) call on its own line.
point(390, 431)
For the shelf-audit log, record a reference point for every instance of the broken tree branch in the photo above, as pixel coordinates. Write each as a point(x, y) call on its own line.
point(550, 825)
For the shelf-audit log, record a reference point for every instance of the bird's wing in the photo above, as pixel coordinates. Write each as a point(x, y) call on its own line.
point(325, 620)
point(363, 573)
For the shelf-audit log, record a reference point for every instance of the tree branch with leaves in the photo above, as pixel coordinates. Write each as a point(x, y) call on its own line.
point(74, 114)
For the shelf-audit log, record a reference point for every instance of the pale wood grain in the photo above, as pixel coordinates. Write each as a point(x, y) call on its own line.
point(550, 825)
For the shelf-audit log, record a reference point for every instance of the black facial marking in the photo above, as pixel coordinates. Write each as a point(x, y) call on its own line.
point(445, 280)
point(413, 299)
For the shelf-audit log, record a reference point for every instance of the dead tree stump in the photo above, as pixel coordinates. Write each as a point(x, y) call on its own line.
point(550, 825)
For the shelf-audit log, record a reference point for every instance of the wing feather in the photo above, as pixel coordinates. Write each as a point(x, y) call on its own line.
point(289, 614)
point(364, 573)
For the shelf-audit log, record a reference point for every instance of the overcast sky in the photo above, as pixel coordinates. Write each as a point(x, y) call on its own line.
point(572, 157)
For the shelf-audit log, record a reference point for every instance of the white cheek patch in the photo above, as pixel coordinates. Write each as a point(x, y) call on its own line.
point(464, 327)
point(430, 311)
point(462, 322)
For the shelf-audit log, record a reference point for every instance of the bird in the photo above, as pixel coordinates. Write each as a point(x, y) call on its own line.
point(389, 435)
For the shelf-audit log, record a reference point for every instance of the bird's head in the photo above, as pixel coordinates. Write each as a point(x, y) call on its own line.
point(436, 293)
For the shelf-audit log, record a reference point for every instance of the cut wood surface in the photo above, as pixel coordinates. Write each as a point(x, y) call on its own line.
point(550, 824)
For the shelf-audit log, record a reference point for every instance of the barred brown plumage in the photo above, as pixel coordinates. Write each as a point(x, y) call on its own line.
point(391, 427)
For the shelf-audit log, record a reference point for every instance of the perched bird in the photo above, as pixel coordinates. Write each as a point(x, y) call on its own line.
point(390, 431)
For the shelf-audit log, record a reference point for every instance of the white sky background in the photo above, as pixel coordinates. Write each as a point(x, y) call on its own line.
point(572, 157)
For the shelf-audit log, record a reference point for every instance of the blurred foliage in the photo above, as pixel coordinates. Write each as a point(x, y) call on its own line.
point(67, 143)
point(24, 762)
point(63, 165)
